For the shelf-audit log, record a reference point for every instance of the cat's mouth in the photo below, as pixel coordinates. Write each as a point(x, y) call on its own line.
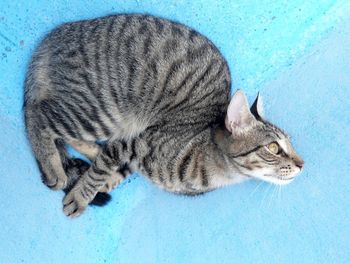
point(285, 179)
point(280, 180)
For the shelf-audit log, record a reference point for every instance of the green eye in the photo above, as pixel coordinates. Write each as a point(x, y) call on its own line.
point(273, 147)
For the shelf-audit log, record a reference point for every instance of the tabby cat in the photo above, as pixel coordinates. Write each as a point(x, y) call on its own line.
point(157, 93)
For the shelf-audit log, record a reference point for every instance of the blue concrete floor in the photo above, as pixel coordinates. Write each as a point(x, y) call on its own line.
point(297, 53)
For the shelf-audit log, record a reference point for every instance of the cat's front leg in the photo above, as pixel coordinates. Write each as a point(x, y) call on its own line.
point(108, 161)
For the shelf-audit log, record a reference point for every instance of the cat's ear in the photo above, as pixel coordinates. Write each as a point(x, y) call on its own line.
point(257, 108)
point(238, 116)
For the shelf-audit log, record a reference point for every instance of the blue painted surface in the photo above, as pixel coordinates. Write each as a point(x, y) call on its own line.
point(296, 53)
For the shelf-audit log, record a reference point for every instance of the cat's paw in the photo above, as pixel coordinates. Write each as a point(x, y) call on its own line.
point(55, 182)
point(74, 203)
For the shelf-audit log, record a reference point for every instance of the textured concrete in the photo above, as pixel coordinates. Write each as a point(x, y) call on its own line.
point(297, 53)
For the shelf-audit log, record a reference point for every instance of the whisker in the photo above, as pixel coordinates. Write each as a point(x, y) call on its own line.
point(265, 194)
point(256, 188)
point(272, 195)
point(279, 196)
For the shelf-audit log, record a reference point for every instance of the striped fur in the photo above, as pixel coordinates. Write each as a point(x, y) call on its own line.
point(155, 90)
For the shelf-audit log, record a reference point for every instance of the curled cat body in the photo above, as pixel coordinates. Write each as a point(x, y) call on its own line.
point(158, 94)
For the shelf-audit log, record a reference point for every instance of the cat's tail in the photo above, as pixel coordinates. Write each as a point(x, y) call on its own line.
point(58, 170)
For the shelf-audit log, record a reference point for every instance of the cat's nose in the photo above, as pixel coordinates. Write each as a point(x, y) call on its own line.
point(298, 162)
point(300, 165)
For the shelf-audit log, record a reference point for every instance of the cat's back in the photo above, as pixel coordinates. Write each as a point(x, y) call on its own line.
point(137, 66)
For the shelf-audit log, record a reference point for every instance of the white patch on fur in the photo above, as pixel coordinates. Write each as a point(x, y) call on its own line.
point(134, 126)
point(273, 179)
point(89, 149)
point(228, 179)
point(130, 127)
point(284, 146)
point(268, 175)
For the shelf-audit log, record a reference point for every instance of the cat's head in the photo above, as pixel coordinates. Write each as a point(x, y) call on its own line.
point(258, 148)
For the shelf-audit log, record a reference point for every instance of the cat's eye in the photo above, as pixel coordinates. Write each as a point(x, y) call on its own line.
point(273, 147)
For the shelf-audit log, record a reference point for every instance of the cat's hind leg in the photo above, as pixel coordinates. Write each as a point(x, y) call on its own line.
point(50, 154)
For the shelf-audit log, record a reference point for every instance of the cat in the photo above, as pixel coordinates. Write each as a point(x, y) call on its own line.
point(158, 94)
